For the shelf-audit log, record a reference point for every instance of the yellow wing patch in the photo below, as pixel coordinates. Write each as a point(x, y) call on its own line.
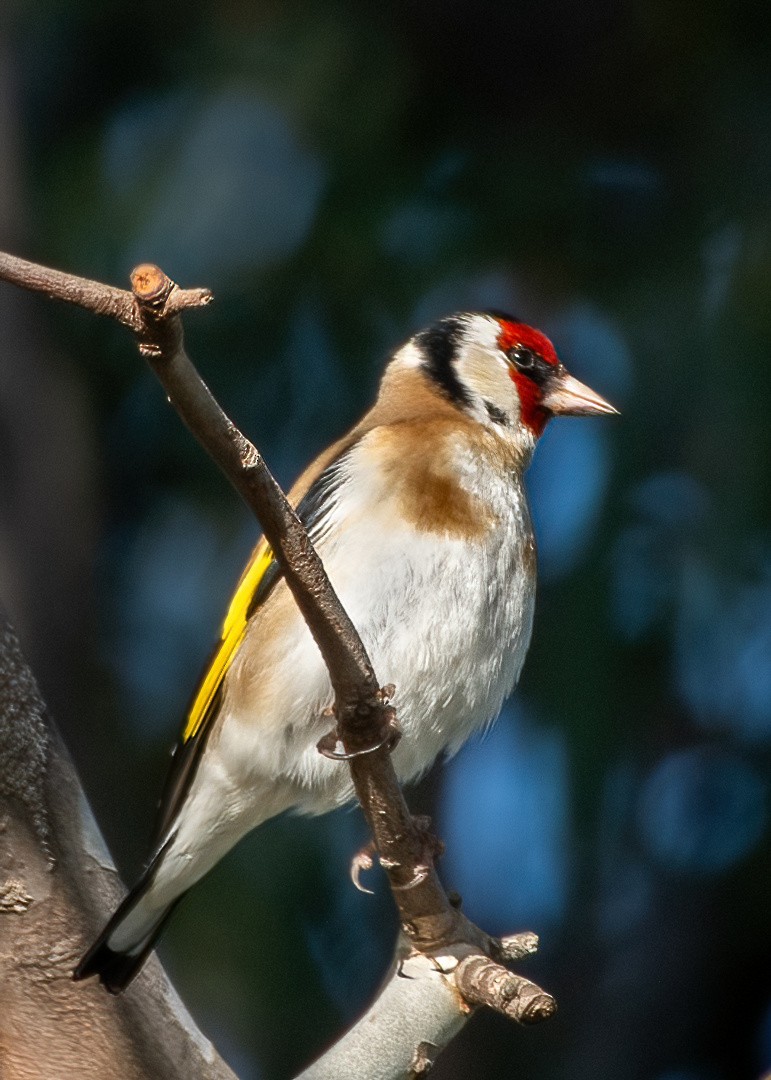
point(233, 631)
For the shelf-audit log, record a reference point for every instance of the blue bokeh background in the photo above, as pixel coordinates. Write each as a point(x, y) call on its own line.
point(339, 174)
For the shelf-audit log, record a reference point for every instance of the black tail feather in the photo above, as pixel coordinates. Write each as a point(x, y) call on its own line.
point(117, 969)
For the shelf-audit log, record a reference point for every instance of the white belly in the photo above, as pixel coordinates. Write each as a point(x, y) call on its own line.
point(446, 621)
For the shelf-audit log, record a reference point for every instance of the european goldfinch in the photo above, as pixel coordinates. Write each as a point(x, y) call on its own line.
point(420, 517)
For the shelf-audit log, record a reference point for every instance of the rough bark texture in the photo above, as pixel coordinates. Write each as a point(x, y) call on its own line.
point(56, 882)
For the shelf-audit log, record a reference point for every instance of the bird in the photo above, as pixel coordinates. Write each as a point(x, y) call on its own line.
point(420, 517)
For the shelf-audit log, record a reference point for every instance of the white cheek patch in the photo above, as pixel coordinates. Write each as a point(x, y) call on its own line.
point(484, 371)
point(479, 366)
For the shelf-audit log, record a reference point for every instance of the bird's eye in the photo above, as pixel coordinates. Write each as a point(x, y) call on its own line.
point(523, 359)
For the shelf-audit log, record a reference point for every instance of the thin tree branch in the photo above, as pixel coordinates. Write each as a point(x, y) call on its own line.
point(483, 982)
point(99, 299)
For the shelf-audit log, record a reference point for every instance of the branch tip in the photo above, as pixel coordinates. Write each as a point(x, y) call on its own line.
point(150, 285)
point(541, 1006)
point(515, 946)
point(482, 981)
point(153, 289)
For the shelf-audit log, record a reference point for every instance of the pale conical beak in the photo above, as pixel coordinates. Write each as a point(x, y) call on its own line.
point(569, 397)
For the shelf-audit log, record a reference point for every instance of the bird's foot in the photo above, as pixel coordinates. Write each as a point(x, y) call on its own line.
point(332, 745)
point(431, 848)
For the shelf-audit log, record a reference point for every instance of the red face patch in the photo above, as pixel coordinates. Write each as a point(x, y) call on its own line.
point(531, 412)
point(515, 335)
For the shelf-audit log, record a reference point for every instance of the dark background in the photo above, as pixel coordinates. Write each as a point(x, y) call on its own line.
point(340, 173)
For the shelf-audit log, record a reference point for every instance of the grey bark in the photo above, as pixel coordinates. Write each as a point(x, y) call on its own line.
point(56, 883)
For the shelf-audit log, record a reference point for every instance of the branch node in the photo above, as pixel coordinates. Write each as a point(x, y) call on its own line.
point(150, 350)
point(386, 693)
point(151, 286)
point(422, 1060)
point(515, 946)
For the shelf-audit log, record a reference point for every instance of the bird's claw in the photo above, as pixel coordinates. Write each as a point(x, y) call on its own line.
point(362, 860)
point(333, 747)
point(420, 875)
point(432, 848)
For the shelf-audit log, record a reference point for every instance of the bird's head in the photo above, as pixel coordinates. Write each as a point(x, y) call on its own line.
point(503, 373)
